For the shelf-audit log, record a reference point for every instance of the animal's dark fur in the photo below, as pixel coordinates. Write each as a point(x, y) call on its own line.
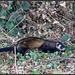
point(33, 42)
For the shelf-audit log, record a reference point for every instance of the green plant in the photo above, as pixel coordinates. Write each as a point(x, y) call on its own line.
point(34, 71)
point(18, 55)
point(9, 18)
point(34, 55)
point(10, 60)
point(19, 63)
point(53, 64)
point(64, 38)
point(4, 44)
point(25, 5)
point(57, 72)
point(42, 55)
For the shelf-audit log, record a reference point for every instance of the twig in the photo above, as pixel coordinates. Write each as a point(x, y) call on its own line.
point(13, 14)
point(29, 20)
point(5, 33)
point(57, 24)
point(3, 38)
point(16, 25)
point(63, 17)
point(61, 58)
point(15, 58)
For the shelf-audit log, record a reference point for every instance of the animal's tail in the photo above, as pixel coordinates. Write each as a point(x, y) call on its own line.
point(7, 49)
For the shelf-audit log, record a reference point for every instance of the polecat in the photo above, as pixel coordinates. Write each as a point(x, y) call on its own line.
point(36, 42)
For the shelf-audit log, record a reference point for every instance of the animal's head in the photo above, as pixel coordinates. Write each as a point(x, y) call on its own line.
point(60, 46)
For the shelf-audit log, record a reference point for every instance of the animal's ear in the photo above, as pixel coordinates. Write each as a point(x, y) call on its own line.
point(57, 44)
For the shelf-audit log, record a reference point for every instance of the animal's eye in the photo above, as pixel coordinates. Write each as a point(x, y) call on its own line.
point(61, 47)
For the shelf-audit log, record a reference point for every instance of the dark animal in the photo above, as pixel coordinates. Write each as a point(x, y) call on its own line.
point(36, 42)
